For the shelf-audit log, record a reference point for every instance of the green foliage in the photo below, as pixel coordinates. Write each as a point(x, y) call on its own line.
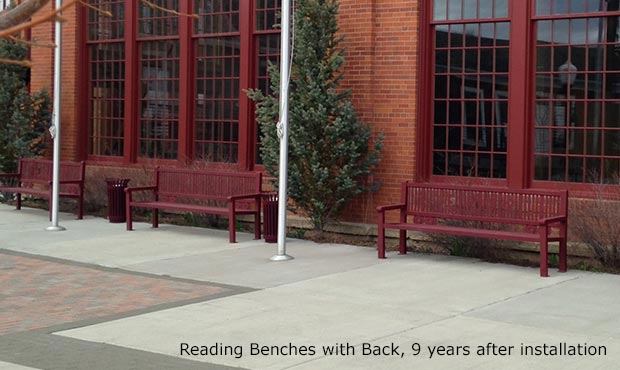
point(24, 116)
point(297, 233)
point(331, 154)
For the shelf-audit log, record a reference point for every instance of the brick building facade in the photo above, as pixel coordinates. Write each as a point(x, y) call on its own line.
point(433, 76)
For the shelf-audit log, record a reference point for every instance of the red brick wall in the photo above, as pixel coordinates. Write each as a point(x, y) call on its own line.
point(381, 69)
point(43, 70)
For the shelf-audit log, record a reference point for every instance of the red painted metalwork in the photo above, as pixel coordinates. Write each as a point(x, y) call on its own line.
point(267, 51)
point(116, 199)
point(186, 71)
point(131, 84)
point(159, 55)
point(169, 116)
point(82, 85)
point(425, 67)
point(577, 93)
point(34, 177)
point(245, 83)
point(470, 89)
point(106, 64)
point(498, 213)
point(519, 154)
point(562, 119)
point(218, 51)
point(200, 191)
point(270, 217)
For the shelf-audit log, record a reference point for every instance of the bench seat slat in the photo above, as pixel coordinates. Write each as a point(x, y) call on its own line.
point(43, 193)
point(502, 220)
point(464, 231)
point(197, 208)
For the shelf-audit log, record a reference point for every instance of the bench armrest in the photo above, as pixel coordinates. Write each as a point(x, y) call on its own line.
point(546, 221)
point(140, 188)
point(391, 207)
point(129, 193)
point(244, 196)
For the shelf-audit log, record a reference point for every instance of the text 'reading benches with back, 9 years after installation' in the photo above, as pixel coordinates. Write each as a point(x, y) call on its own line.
point(202, 191)
point(34, 177)
point(483, 212)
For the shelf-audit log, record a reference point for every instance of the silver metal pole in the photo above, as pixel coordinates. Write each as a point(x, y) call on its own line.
point(283, 132)
point(55, 129)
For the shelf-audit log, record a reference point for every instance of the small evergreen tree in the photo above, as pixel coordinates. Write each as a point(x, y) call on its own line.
point(24, 117)
point(330, 152)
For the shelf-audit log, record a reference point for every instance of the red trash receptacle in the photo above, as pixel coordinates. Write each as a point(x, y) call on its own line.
point(270, 217)
point(116, 199)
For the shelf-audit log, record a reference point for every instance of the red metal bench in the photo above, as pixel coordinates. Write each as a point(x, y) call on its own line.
point(525, 215)
point(201, 191)
point(34, 177)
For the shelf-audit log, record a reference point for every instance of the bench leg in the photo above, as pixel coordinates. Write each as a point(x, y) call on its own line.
point(128, 219)
point(381, 235)
point(381, 243)
point(257, 225)
point(381, 239)
point(80, 207)
point(155, 218)
point(544, 252)
point(563, 260)
point(402, 242)
point(19, 201)
point(232, 230)
point(563, 248)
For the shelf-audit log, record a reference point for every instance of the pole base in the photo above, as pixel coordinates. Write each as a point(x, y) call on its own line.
point(55, 228)
point(281, 257)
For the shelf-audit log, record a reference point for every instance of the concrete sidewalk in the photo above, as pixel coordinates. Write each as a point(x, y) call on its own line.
point(227, 306)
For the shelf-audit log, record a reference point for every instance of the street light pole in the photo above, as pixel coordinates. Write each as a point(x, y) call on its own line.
point(55, 129)
point(283, 131)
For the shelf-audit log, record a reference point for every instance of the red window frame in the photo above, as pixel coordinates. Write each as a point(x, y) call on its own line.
point(217, 48)
point(158, 91)
point(105, 55)
point(466, 135)
point(266, 39)
point(522, 97)
point(186, 95)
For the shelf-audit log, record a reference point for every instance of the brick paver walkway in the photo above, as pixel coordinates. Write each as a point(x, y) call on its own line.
point(42, 295)
point(36, 293)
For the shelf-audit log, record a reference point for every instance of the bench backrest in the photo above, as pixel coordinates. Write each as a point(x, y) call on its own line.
point(39, 171)
point(205, 184)
point(484, 204)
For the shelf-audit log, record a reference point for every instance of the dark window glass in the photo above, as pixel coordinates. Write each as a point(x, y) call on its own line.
point(159, 99)
point(577, 87)
point(471, 96)
point(106, 99)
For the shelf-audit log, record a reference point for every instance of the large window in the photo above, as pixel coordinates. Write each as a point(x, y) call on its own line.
point(165, 86)
point(218, 70)
point(563, 121)
point(471, 88)
point(106, 97)
point(577, 102)
point(159, 58)
point(267, 40)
